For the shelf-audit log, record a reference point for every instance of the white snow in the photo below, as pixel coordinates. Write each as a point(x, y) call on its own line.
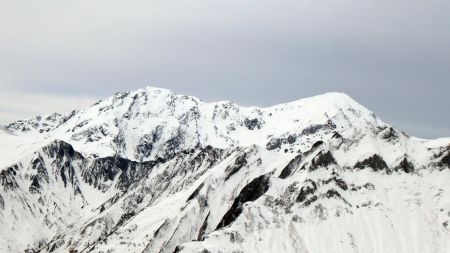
point(402, 213)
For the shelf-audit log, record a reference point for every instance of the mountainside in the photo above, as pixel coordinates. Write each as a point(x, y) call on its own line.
point(152, 171)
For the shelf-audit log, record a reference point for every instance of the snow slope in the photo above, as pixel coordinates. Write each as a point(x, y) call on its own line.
point(152, 171)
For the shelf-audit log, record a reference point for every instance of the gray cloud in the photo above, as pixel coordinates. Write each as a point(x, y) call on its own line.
point(391, 56)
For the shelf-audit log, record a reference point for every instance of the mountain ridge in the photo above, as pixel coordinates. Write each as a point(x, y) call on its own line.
point(151, 171)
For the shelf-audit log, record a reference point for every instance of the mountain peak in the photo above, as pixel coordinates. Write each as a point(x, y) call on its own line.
point(153, 122)
point(158, 172)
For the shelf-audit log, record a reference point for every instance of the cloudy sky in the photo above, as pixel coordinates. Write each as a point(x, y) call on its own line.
point(392, 56)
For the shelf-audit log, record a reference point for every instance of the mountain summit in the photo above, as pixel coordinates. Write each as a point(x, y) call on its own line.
point(152, 171)
point(152, 122)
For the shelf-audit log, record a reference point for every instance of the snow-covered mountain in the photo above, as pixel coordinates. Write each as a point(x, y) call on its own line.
point(152, 171)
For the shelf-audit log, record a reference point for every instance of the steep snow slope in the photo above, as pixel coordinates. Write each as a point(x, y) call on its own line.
point(151, 171)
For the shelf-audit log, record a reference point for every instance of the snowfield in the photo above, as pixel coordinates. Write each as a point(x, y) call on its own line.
point(152, 171)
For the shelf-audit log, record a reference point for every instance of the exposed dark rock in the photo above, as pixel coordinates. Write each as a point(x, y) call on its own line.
point(173, 145)
point(161, 229)
point(336, 135)
point(35, 187)
point(309, 201)
point(405, 166)
point(39, 165)
point(195, 192)
point(445, 160)
point(389, 134)
point(2, 203)
point(178, 249)
point(240, 162)
point(145, 146)
point(55, 245)
point(101, 171)
point(207, 155)
point(375, 162)
point(367, 186)
point(316, 145)
point(310, 187)
point(7, 178)
point(60, 149)
point(107, 168)
point(274, 143)
point(312, 129)
point(201, 232)
point(125, 217)
point(339, 182)
point(252, 124)
point(40, 177)
point(322, 159)
point(132, 171)
point(331, 193)
point(277, 142)
point(293, 164)
point(291, 139)
point(251, 192)
point(67, 173)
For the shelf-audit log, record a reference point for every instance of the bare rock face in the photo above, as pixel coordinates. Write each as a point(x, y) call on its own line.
point(152, 171)
point(375, 162)
point(293, 165)
point(251, 192)
point(405, 166)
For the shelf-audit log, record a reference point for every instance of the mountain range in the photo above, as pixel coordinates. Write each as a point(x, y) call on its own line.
point(152, 171)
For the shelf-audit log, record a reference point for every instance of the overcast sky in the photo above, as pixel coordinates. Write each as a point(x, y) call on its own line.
point(391, 56)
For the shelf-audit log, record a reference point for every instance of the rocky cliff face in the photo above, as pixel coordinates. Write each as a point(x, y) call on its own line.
point(151, 171)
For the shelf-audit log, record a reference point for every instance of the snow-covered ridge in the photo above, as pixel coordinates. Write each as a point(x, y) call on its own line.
point(152, 171)
point(151, 122)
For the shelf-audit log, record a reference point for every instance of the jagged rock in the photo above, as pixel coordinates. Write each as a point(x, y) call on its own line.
point(240, 162)
point(293, 164)
point(331, 193)
point(124, 218)
point(375, 162)
point(311, 200)
point(276, 143)
point(252, 124)
point(7, 178)
point(251, 192)
point(317, 127)
point(405, 166)
point(368, 186)
point(312, 129)
point(389, 134)
point(338, 181)
point(273, 144)
point(322, 159)
point(35, 187)
point(445, 160)
point(309, 187)
point(291, 139)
